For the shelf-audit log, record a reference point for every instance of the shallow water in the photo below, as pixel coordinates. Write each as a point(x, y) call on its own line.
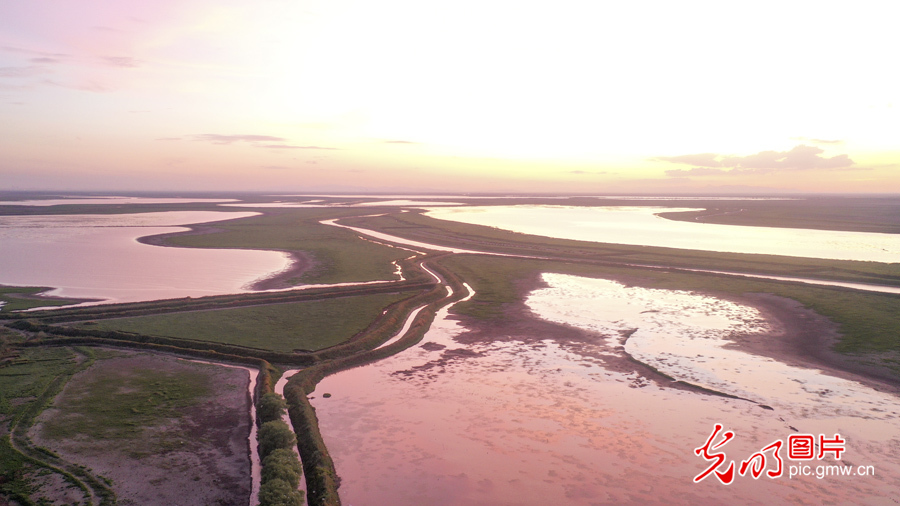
point(685, 335)
point(108, 200)
point(422, 245)
point(514, 423)
point(98, 257)
point(641, 226)
point(313, 203)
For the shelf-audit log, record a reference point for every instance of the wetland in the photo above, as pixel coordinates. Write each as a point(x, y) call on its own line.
point(440, 362)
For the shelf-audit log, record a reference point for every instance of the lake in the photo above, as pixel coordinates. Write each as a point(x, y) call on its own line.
point(99, 257)
point(641, 227)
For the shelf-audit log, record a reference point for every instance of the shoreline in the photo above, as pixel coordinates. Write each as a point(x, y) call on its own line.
point(301, 262)
point(803, 338)
point(798, 337)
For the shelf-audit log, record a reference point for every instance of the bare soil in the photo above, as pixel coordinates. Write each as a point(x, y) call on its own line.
point(200, 456)
point(301, 262)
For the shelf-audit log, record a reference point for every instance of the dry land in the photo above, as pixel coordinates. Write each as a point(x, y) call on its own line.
point(160, 430)
point(311, 325)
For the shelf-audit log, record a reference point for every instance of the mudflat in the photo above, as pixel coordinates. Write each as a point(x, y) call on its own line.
point(162, 430)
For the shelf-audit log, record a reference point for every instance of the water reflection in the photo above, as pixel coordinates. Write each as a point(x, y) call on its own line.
point(506, 422)
point(98, 257)
point(685, 335)
point(109, 200)
point(640, 226)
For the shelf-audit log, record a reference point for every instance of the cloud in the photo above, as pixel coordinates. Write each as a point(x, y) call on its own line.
point(702, 159)
point(400, 142)
point(121, 61)
point(588, 172)
point(31, 70)
point(799, 158)
point(254, 140)
point(45, 59)
point(33, 52)
point(92, 86)
point(819, 141)
point(696, 171)
point(168, 138)
point(285, 146)
point(230, 139)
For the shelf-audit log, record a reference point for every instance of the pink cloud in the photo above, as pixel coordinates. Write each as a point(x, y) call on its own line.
point(801, 157)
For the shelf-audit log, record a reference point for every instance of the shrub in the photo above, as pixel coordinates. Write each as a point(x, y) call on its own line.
point(282, 464)
point(271, 407)
point(279, 493)
point(274, 435)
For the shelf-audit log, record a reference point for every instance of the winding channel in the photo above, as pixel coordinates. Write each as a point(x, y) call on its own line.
point(551, 424)
point(435, 247)
point(443, 313)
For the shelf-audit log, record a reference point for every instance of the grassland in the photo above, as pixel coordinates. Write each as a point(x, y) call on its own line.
point(339, 256)
point(310, 325)
point(28, 380)
point(158, 429)
point(17, 298)
point(120, 404)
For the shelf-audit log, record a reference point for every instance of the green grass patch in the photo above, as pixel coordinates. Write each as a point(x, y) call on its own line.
point(28, 374)
point(120, 403)
point(16, 298)
point(23, 381)
point(340, 256)
point(309, 325)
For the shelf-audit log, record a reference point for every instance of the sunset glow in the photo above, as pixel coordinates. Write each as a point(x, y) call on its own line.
point(467, 96)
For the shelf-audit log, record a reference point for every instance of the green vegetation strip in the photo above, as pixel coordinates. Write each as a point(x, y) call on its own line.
point(311, 325)
point(321, 478)
point(447, 233)
point(214, 302)
point(17, 298)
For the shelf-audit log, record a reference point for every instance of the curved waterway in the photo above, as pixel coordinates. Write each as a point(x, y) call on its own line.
point(418, 244)
point(640, 226)
point(543, 421)
point(99, 257)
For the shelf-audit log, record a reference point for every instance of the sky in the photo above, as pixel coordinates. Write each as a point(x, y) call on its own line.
point(465, 96)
